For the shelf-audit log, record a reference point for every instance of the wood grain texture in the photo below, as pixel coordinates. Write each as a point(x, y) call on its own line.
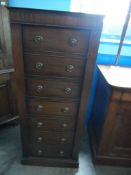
point(54, 39)
point(55, 62)
point(50, 123)
point(53, 162)
point(62, 19)
point(52, 107)
point(86, 87)
point(110, 123)
point(52, 151)
point(55, 66)
point(53, 88)
point(51, 137)
point(18, 56)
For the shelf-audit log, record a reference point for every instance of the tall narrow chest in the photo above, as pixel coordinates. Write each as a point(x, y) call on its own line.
point(55, 54)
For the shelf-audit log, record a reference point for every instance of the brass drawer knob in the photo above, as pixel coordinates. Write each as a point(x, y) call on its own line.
point(39, 88)
point(61, 153)
point(70, 68)
point(40, 152)
point(63, 140)
point(39, 66)
point(38, 39)
point(39, 108)
point(68, 91)
point(65, 110)
point(64, 125)
point(39, 139)
point(73, 42)
point(39, 124)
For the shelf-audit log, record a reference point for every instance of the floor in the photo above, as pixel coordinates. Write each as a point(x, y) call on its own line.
point(10, 153)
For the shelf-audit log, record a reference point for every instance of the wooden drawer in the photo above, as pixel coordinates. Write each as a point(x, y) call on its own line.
point(51, 137)
point(51, 151)
point(41, 124)
point(40, 64)
point(42, 39)
point(52, 88)
point(41, 106)
point(121, 95)
point(126, 96)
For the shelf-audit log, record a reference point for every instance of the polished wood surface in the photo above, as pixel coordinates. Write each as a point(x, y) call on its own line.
point(42, 39)
point(52, 151)
point(53, 88)
point(53, 65)
point(47, 137)
point(55, 55)
point(110, 127)
point(49, 123)
point(54, 107)
point(60, 19)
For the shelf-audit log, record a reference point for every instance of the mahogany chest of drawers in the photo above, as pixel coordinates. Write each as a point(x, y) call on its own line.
point(55, 54)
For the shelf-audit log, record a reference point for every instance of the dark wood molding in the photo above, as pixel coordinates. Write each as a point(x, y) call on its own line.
point(60, 19)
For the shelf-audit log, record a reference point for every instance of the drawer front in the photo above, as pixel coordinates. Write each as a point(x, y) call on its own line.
point(40, 106)
point(121, 95)
point(52, 88)
point(126, 96)
point(41, 39)
point(41, 124)
point(51, 138)
point(51, 151)
point(53, 66)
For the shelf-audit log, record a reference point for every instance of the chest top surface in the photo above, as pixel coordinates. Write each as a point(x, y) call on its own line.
point(117, 76)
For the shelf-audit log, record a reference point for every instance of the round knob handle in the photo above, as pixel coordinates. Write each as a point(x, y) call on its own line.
point(39, 88)
point(61, 153)
point(40, 152)
point(38, 39)
point(67, 91)
point(39, 108)
point(63, 140)
point(39, 124)
point(39, 139)
point(73, 42)
point(65, 110)
point(64, 125)
point(39, 66)
point(69, 68)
